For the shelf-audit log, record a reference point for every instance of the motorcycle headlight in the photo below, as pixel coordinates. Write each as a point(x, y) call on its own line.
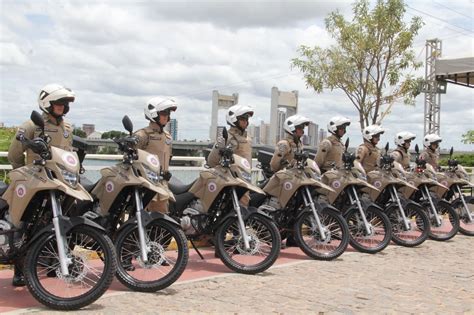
point(152, 176)
point(70, 178)
point(246, 176)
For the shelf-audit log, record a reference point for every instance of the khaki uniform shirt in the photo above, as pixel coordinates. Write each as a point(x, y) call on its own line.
point(368, 155)
point(431, 157)
point(61, 137)
point(240, 143)
point(284, 152)
point(402, 156)
point(330, 151)
point(155, 141)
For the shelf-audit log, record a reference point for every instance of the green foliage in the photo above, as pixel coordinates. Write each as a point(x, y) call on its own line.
point(468, 137)
point(113, 134)
point(463, 159)
point(369, 61)
point(108, 150)
point(79, 132)
point(6, 136)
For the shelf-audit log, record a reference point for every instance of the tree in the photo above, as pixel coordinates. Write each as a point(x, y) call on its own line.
point(80, 133)
point(369, 61)
point(113, 134)
point(468, 137)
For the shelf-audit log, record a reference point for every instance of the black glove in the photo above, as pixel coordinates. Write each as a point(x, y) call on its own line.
point(166, 175)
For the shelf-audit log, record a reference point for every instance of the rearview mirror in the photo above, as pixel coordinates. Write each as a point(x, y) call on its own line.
point(386, 148)
point(451, 153)
point(417, 149)
point(127, 124)
point(347, 144)
point(37, 119)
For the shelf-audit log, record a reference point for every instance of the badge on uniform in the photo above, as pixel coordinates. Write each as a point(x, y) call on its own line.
point(168, 141)
point(282, 147)
point(66, 134)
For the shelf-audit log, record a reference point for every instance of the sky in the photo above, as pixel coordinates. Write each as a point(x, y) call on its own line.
point(117, 54)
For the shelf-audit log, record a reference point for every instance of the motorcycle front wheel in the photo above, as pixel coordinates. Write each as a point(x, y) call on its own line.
point(264, 244)
point(311, 241)
point(466, 226)
point(380, 230)
point(449, 226)
point(91, 267)
point(166, 261)
point(419, 226)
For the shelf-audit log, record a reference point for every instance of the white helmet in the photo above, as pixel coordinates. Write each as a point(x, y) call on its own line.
point(294, 121)
point(159, 104)
point(337, 122)
point(371, 131)
point(431, 138)
point(52, 93)
point(237, 110)
point(403, 136)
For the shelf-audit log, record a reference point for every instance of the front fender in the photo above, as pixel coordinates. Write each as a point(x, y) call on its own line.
point(246, 212)
point(66, 224)
point(147, 218)
point(162, 192)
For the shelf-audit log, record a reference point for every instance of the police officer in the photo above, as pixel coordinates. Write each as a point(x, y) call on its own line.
point(330, 150)
point(286, 148)
point(156, 140)
point(368, 154)
point(400, 154)
point(430, 154)
point(54, 101)
point(238, 119)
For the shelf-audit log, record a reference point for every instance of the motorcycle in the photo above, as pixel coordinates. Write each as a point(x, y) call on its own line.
point(151, 247)
point(444, 220)
point(410, 224)
point(246, 239)
point(455, 178)
point(68, 262)
point(318, 228)
point(369, 227)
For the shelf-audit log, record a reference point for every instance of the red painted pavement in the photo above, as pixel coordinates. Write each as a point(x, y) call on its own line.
point(17, 298)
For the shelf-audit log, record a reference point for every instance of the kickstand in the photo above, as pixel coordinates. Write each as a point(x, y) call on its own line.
point(195, 248)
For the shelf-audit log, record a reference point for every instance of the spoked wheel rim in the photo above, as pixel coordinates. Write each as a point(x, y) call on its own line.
point(465, 225)
point(449, 223)
point(417, 231)
point(264, 244)
point(379, 235)
point(166, 258)
point(92, 263)
point(335, 230)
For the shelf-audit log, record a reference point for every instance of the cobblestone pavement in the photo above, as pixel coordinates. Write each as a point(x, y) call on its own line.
point(437, 277)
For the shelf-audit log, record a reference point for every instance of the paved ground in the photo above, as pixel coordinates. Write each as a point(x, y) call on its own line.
point(437, 277)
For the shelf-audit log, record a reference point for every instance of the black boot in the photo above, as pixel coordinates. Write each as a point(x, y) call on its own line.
point(18, 278)
point(290, 241)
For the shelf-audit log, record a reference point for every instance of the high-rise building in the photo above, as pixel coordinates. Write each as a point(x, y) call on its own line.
point(173, 128)
point(88, 128)
point(322, 135)
point(264, 133)
point(256, 139)
point(312, 133)
point(280, 121)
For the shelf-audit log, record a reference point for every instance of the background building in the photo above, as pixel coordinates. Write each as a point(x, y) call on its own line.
point(88, 128)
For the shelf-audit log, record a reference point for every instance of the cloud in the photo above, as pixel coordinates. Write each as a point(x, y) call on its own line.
point(117, 54)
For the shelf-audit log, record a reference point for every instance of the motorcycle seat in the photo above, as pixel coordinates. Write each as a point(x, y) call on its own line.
point(3, 187)
point(179, 189)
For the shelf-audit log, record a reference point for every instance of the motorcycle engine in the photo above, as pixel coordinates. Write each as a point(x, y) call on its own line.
point(193, 220)
point(273, 202)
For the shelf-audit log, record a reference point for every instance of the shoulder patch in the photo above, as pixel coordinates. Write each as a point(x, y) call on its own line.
point(282, 147)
